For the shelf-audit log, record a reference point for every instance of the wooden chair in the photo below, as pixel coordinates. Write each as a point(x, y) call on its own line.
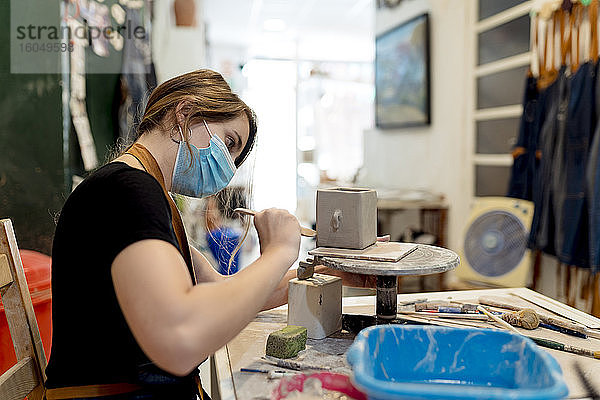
point(26, 377)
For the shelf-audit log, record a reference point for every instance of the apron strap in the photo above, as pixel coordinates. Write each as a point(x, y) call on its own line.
point(74, 392)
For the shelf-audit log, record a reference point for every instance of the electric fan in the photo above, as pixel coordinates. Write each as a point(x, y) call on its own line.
point(495, 246)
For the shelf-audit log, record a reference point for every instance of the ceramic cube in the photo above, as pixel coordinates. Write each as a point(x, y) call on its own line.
point(346, 218)
point(316, 304)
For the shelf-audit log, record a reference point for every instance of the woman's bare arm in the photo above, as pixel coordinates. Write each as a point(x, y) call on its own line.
point(203, 269)
point(178, 324)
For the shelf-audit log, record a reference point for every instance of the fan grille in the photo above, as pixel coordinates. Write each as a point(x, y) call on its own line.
point(495, 243)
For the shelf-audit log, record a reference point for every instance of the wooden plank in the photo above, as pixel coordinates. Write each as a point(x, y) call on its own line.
point(558, 307)
point(19, 381)
point(18, 307)
point(5, 275)
point(380, 251)
point(224, 376)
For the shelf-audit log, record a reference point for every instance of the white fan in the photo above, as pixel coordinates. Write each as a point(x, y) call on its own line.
point(495, 246)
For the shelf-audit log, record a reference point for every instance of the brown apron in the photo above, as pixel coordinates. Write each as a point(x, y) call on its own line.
point(151, 166)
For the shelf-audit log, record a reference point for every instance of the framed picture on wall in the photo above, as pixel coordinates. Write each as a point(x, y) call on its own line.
point(402, 75)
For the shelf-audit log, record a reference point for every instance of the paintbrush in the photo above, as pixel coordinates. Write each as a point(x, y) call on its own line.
point(303, 231)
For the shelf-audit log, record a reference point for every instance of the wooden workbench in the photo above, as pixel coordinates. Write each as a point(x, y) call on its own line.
point(228, 383)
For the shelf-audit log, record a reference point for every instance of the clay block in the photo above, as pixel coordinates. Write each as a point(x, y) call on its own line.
point(316, 303)
point(286, 342)
point(346, 218)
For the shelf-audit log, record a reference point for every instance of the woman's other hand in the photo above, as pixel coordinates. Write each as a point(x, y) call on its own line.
point(278, 232)
point(348, 278)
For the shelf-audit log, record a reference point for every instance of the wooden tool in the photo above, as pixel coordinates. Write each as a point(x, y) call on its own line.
point(544, 317)
point(551, 344)
point(498, 320)
point(303, 231)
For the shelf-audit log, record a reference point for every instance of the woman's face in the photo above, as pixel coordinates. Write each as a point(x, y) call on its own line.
point(234, 133)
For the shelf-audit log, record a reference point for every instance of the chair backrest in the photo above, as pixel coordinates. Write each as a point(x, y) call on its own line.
point(26, 377)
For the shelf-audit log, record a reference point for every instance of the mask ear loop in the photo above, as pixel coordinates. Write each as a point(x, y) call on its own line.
point(207, 129)
point(180, 134)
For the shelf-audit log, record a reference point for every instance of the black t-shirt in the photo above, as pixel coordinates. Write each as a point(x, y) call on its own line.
point(91, 343)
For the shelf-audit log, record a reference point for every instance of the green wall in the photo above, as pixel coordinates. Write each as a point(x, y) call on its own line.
point(32, 188)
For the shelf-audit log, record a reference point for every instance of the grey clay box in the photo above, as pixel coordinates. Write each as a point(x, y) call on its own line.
point(346, 218)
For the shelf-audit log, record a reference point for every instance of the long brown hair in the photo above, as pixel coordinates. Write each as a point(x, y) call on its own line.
point(206, 96)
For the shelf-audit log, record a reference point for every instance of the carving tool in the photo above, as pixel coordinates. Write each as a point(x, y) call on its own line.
point(446, 307)
point(498, 320)
point(303, 231)
point(271, 374)
point(564, 330)
point(295, 365)
point(525, 319)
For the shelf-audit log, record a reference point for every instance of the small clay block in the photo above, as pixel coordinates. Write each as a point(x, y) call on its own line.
point(305, 270)
point(286, 342)
point(346, 218)
point(316, 303)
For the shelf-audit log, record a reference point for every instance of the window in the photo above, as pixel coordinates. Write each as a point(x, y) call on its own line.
point(501, 63)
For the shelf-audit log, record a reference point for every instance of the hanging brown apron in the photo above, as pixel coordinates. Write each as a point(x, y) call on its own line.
point(151, 166)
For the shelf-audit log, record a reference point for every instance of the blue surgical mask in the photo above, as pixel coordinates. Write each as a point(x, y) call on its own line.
point(210, 171)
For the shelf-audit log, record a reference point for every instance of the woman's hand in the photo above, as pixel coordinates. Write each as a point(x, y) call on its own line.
point(349, 278)
point(278, 232)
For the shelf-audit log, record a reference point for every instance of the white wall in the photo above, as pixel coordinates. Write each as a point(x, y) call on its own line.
point(435, 157)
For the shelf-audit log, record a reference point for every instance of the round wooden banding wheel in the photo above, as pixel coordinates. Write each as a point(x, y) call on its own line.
point(425, 260)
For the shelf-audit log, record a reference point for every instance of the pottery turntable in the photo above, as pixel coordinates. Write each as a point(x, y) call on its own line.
point(347, 241)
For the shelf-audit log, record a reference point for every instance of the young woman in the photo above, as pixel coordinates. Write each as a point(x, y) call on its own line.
point(135, 308)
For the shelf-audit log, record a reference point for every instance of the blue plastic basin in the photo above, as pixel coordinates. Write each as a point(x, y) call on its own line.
point(430, 362)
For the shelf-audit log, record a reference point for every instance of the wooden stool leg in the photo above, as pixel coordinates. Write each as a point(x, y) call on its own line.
point(27, 377)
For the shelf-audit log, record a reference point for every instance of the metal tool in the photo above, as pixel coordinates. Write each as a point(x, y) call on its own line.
point(303, 230)
point(290, 364)
point(271, 374)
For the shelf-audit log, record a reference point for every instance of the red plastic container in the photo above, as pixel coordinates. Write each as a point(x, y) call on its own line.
point(37, 268)
point(330, 380)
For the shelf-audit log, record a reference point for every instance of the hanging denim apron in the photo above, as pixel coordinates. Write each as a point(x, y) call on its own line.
point(554, 108)
point(524, 163)
point(571, 211)
point(593, 186)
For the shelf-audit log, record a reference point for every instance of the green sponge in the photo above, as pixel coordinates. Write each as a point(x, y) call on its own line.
point(286, 342)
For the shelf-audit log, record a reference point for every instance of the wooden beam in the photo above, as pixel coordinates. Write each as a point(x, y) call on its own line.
point(18, 307)
point(5, 275)
point(19, 381)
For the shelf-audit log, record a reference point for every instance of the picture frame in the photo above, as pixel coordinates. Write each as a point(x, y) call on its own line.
point(402, 75)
